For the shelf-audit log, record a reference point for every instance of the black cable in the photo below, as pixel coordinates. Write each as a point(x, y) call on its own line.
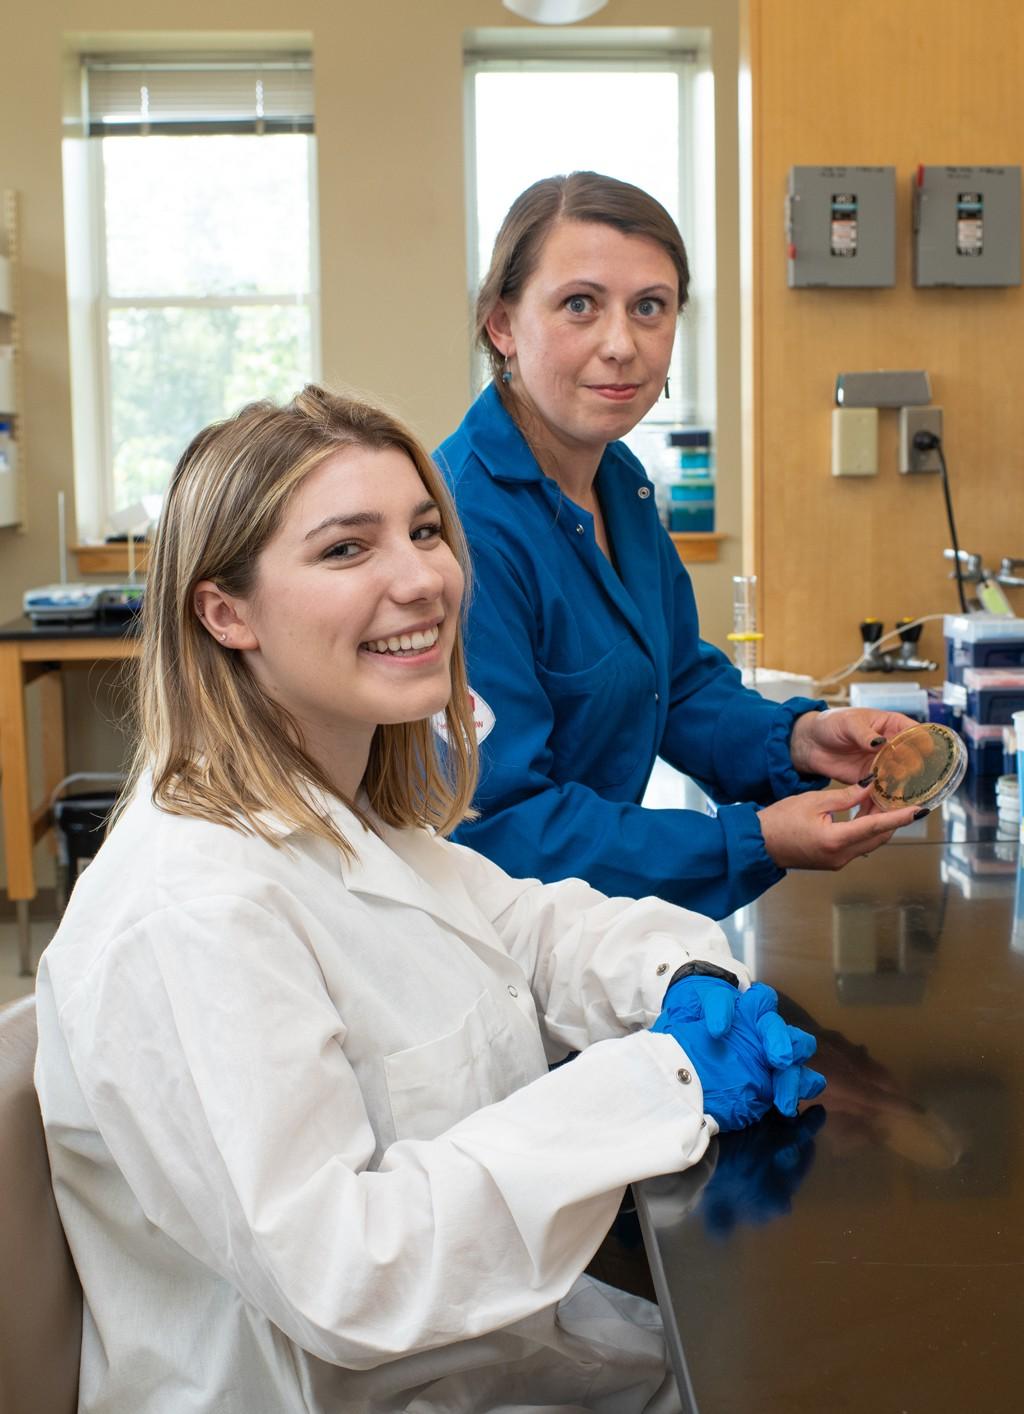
point(930, 442)
point(952, 528)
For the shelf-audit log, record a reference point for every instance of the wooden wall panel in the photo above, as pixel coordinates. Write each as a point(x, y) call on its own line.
point(877, 82)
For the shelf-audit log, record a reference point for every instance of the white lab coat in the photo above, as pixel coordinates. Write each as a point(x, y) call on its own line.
point(299, 1112)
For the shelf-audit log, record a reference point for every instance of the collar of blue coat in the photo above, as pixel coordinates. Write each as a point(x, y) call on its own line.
point(497, 441)
point(505, 455)
point(627, 500)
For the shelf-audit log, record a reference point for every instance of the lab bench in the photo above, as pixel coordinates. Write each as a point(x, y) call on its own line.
point(868, 1256)
point(41, 653)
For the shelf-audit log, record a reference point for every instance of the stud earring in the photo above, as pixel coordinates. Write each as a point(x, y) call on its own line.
point(667, 393)
point(506, 372)
point(223, 638)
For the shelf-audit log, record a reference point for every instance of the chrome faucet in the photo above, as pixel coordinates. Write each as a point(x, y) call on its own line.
point(903, 660)
point(1008, 572)
point(988, 595)
point(906, 659)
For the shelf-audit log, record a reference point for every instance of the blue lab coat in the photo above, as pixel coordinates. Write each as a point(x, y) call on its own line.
point(592, 674)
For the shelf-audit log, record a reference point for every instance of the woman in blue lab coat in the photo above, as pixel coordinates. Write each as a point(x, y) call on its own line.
point(585, 657)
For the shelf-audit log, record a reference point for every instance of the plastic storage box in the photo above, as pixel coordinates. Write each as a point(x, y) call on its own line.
point(982, 641)
point(692, 504)
point(994, 694)
point(907, 697)
point(984, 747)
point(691, 496)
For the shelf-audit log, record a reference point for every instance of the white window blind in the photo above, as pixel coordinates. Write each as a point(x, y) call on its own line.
point(185, 300)
point(245, 95)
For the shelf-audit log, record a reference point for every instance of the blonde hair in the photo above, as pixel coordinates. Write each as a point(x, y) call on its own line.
point(581, 196)
point(219, 748)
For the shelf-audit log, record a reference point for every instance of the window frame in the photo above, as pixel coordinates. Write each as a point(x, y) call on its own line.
point(89, 326)
point(695, 334)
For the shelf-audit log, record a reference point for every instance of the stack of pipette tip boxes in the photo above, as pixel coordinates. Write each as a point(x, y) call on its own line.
point(984, 687)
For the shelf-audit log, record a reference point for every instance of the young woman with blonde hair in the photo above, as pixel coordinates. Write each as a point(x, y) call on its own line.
point(294, 1045)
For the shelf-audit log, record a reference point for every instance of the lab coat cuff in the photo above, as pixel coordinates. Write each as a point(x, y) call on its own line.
point(751, 867)
point(785, 779)
point(685, 1084)
point(664, 955)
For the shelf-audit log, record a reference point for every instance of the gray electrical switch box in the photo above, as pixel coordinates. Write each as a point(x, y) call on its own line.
point(841, 226)
point(967, 226)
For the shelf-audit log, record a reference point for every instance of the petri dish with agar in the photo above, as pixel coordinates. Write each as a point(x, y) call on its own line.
point(920, 767)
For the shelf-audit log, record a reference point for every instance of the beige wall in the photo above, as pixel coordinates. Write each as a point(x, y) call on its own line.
point(392, 243)
point(894, 82)
point(829, 83)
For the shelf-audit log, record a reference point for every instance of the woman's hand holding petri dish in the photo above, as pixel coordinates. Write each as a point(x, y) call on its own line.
point(842, 743)
point(801, 832)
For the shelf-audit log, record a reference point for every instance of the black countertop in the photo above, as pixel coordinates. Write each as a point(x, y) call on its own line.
point(112, 626)
point(869, 1256)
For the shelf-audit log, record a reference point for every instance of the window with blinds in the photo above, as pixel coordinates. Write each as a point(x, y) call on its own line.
point(197, 96)
point(200, 182)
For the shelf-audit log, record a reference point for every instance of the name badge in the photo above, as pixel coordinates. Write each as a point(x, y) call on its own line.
point(483, 719)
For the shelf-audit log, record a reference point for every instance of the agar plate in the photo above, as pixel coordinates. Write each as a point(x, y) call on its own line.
point(921, 766)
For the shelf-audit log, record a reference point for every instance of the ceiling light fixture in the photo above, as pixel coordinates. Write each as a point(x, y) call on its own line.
point(554, 12)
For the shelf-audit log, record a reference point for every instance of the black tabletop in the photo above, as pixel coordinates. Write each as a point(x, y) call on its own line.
point(104, 626)
point(868, 1256)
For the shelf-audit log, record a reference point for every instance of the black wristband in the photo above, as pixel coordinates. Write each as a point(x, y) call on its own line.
point(702, 969)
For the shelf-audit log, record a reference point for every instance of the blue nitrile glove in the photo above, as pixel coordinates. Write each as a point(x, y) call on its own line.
point(785, 1047)
point(707, 998)
point(757, 1061)
point(757, 1172)
point(700, 998)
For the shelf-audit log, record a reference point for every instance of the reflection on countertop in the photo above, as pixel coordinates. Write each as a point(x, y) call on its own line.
point(878, 1262)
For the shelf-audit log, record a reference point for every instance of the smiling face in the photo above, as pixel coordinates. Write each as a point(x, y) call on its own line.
point(354, 613)
point(590, 338)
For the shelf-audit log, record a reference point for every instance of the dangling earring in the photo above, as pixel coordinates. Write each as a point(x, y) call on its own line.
point(506, 372)
point(667, 393)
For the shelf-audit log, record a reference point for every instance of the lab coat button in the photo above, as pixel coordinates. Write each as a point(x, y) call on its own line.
point(513, 992)
point(643, 492)
point(661, 969)
point(684, 1076)
point(657, 697)
point(579, 530)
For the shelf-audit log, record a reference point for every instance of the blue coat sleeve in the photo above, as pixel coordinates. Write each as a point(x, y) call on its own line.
point(534, 826)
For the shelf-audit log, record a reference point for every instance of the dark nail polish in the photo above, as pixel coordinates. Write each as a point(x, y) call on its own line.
point(920, 814)
point(867, 779)
point(878, 741)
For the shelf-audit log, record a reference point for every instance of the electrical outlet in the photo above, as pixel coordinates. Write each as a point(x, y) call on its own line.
point(919, 419)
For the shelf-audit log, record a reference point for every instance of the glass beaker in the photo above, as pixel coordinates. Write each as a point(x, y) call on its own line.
point(745, 637)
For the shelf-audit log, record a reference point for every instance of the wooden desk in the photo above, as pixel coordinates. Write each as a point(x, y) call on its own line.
point(30, 653)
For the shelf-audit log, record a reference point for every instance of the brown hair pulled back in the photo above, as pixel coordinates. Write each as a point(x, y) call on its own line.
point(580, 196)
